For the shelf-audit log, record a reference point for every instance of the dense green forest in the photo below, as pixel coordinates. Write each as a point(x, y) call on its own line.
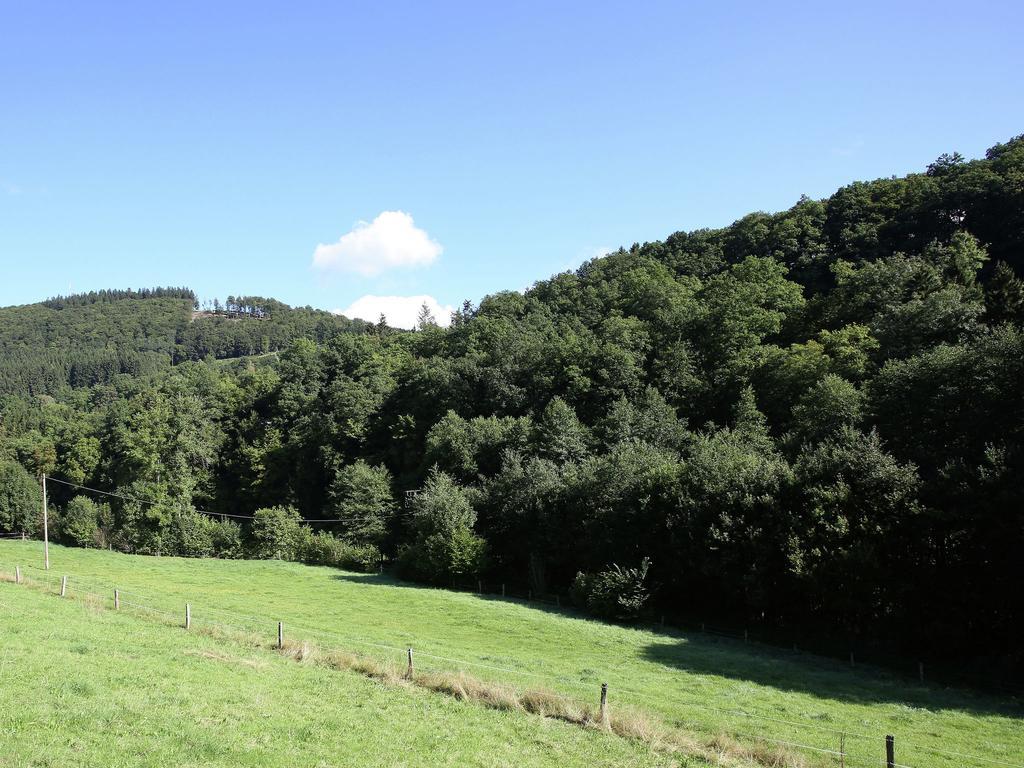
point(85, 339)
point(808, 421)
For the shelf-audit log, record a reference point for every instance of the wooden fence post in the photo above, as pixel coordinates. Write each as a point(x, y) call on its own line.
point(408, 671)
point(280, 635)
point(502, 589)
point(17, 574)
point(920, 670)
point(63, 585)
point(851, 658)
point(604, 705)
point(746, 636)
point(117, 600)
point(890, 752)
point(188, 616)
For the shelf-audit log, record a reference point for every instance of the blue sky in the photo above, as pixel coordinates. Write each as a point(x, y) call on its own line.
point(217, 145)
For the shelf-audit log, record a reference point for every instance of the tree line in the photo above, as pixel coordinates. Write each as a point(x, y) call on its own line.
point(809, 420)
point(87, 339)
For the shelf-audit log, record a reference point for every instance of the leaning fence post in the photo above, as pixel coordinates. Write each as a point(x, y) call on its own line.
point(604, 704)
point(280, 635)
point(408, 671)
point(890, 752)
point(17, 574)
point(63, 585)
point(188, 615)
point(117, 600)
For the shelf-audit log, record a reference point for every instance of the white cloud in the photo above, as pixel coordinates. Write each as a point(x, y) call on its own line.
point(390, 240)
point(400, 311)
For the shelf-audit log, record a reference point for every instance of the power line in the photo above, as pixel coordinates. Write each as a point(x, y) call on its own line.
point(137, 500)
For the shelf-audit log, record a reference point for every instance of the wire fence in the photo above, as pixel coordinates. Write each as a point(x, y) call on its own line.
point(763, 635)
point(840, 744)
point(884, 664)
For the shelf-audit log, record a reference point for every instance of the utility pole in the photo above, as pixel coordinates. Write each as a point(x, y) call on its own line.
point(46, 530)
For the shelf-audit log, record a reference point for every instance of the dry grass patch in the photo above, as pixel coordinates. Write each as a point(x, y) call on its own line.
point(546, 703)
point(372, 668)
point(301, 651)
point(624, 722)
point(760, 753)
point(468, 688)
point(226, 659)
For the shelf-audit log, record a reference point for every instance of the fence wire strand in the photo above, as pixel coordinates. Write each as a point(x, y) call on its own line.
point(199, 616)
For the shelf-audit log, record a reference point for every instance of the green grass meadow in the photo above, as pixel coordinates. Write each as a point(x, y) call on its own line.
point(84, 686)
point(88, 687)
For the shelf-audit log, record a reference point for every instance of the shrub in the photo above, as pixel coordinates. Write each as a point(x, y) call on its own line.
point(324, 549)
point(196, 535)
point(20, 499)
point(85, 523)
point(443, 557)
point(445, 546)
point(277, 533)
point(227, 539)
point(145, 528)
point(615, 593)
point(190, 535)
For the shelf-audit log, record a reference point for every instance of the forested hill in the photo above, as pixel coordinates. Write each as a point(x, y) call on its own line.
point(809, 421)
point(86, 339)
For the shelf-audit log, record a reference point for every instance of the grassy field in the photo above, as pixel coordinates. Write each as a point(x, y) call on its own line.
point(82, 686)
point(697, 683)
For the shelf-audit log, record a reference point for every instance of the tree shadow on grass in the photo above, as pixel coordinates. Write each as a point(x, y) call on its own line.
point(759, 664)
point(546, 604)
point(818, 676)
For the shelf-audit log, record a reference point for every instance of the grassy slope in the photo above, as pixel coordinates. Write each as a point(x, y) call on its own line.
point(81, 686)
point(677, 676)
